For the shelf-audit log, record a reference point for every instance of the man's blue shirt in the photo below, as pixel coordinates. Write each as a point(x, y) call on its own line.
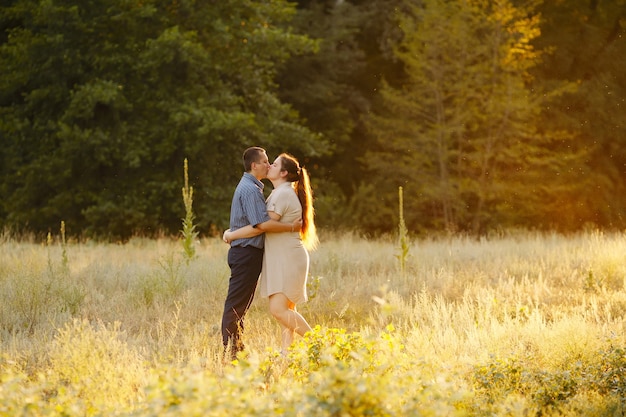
point(248, 207)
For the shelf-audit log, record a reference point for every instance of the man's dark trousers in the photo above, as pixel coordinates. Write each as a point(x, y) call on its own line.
point(245, 267)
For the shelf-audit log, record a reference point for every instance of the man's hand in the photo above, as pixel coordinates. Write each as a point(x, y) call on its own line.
point(225, 236)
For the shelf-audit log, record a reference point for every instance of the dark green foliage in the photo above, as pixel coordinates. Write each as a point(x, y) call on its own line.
point(485, 121)
point(103, 100)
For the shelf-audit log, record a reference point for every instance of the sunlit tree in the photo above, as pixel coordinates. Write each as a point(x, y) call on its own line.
point(459, 130)
point(589, 43)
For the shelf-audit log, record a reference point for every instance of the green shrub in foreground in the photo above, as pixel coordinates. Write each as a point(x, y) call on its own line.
point(557, 391)
point(328, 373)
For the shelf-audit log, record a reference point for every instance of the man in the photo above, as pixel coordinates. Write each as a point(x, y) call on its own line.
point(245, 256)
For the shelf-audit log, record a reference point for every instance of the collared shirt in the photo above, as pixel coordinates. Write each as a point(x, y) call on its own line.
point(248, 207)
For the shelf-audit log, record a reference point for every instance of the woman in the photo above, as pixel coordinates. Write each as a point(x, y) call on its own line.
point(286, 259)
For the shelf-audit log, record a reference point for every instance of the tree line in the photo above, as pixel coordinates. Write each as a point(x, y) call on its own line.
point(491, 114)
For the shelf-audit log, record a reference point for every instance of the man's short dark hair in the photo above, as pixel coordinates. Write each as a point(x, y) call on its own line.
point(250, 155)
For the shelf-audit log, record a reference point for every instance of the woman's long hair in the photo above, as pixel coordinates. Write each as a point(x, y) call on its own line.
point(299, 178)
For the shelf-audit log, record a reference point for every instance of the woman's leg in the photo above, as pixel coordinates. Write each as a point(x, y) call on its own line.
point(286, 339)
point(291, 321)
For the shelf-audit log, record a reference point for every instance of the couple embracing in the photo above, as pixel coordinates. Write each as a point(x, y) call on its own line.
point(269, 239)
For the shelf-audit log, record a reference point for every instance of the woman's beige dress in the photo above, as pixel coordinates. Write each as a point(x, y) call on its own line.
point(286, 261)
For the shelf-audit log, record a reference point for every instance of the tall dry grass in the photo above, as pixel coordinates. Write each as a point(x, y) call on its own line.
point(112, 319)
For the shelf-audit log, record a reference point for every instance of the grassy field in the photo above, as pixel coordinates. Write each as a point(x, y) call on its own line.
point(519, 325)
